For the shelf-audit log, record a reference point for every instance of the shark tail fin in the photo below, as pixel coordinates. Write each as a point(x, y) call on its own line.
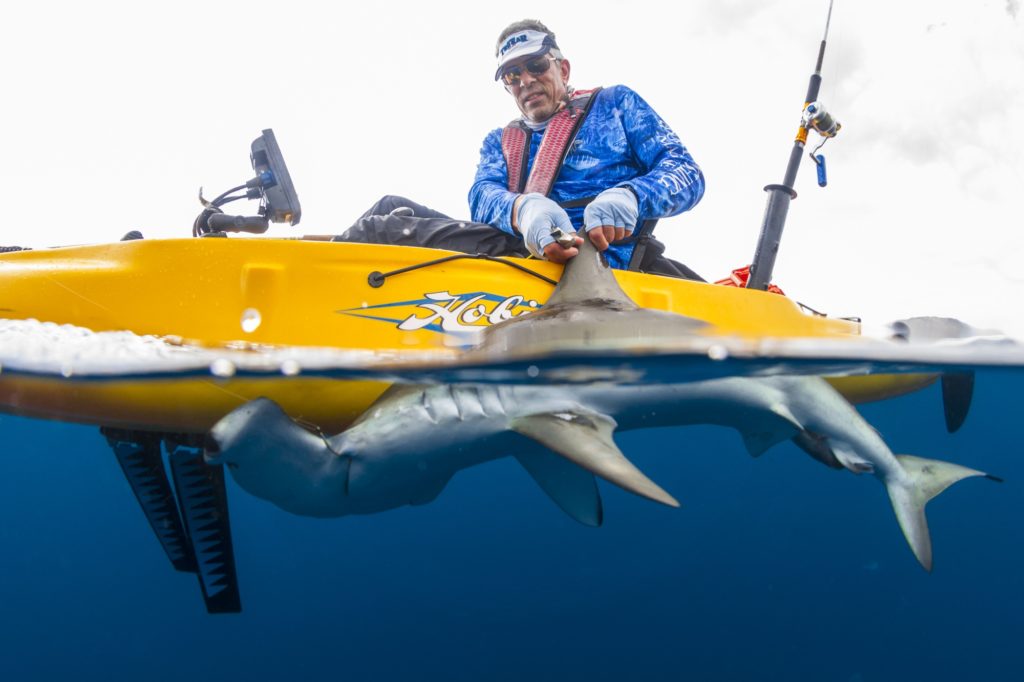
point(928, 478)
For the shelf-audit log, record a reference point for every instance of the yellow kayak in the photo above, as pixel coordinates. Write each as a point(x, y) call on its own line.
point(237, 292)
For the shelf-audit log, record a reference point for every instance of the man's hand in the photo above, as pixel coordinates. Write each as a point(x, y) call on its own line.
point(611, 216)
point(556, 253)
point(534, 215)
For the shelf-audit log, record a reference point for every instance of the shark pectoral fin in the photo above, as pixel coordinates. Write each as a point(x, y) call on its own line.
point(849, 458)
point(928, 477)
point(585, 438)
point(572, 488)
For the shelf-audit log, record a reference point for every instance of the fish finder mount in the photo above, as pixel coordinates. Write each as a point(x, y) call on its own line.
point(272, 186)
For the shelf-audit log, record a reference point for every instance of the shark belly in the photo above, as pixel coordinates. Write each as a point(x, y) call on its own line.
point(406, 454)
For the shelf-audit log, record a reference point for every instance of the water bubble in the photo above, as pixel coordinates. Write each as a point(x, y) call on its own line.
point(717, 352)
point(533, 371)
point(290, 368)
point(222, 367)
point(66, 370)
point(251, 320)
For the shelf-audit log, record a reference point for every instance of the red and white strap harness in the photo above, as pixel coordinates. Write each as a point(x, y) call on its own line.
point(554, 146)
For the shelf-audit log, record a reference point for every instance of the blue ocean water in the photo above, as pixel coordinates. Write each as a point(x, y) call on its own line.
point(774, 569)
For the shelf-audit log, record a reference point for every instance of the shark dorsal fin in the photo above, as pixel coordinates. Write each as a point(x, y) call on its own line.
point(588, 277)
point(585, 438)
point(570, 487)
point(588, 310)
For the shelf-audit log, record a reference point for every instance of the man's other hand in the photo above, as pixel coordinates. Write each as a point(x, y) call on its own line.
point(605, 235)
point(611, 216)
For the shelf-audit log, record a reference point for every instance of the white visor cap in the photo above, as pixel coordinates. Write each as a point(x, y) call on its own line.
point(524, 44)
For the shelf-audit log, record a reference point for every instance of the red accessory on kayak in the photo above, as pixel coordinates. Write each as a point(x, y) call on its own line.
point(554, 146)
point(739, 278)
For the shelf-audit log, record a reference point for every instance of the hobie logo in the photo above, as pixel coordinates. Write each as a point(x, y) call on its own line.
point(441, 311)
point(455, 314)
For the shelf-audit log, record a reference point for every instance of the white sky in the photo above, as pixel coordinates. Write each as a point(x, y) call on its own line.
point(114, 113)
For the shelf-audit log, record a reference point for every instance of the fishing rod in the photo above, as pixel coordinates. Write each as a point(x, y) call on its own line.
point(814, 116)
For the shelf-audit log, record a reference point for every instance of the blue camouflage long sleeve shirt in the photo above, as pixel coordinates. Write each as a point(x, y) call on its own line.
point(622, 143)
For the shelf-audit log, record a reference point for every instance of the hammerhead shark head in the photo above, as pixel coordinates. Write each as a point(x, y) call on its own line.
point(413, 439)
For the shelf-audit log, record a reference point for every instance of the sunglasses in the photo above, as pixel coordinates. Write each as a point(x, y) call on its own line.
point(537, 67)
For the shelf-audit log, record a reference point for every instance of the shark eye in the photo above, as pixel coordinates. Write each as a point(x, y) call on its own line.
point(210, 445)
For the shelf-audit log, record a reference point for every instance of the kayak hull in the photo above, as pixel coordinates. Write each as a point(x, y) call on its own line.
point(252, 293)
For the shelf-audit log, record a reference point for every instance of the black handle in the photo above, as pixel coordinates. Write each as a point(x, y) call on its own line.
point(220, 222)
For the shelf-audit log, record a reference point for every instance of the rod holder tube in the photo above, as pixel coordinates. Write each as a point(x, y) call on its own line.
point(779, 198)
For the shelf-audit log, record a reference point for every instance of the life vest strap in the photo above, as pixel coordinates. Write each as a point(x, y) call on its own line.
point(515, 145)
point(554, 146)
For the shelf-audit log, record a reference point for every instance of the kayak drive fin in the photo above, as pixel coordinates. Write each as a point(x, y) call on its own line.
point(193, 530)
point(139, 455)
point(204, 508)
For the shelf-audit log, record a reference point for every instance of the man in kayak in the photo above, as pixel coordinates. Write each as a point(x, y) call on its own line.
point(598, 160)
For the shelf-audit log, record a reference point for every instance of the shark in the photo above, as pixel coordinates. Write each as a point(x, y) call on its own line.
point(406, 447)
